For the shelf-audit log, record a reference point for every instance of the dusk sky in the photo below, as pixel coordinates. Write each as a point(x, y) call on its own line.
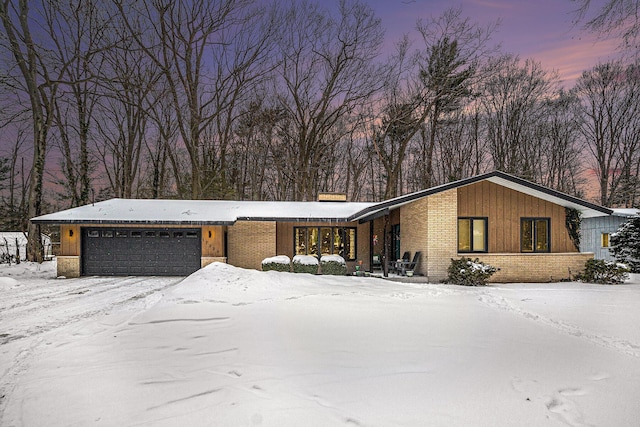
point(542, 29)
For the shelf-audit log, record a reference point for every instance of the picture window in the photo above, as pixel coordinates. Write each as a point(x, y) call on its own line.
point(535, 235)
point(319, 241)
point(472, 234)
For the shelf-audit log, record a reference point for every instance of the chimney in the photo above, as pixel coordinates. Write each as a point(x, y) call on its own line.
point(332, 197)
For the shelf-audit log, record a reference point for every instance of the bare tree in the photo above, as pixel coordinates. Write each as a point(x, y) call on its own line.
point(445, 71)
point(127, 92)
point(512, 98)
point(612, 17)
point(562, 158)
point(78, 35)
point(253, 159)
point(461, 146)
point(162, 174)
point(610, 95)
point(326, 71)
point(179, 38)
point(40, 87)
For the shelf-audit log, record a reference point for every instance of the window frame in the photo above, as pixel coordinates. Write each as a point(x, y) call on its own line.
point(534, 234)
point(331, 244)
point(471, 219)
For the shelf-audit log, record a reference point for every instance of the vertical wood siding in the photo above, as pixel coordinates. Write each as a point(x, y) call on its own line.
point(70, 245)
point(213, 246)
point(504, 208)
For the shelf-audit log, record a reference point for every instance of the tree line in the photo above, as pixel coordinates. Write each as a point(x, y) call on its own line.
point(251, 100)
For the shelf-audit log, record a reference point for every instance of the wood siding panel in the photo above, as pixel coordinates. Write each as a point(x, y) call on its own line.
point(499, 219)
point(504, 208)
point(70, 240)
point(213, 241)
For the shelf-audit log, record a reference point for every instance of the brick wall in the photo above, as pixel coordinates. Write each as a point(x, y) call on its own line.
point(249, 242)
point(443, 233)
point(534, 267)
point(414, 231)
point(68, 266)
point(430, 225)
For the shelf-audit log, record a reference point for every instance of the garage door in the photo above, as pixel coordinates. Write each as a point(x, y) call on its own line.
point(140, 251)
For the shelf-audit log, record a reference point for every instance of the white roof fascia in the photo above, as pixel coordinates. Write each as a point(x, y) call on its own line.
point(585, 211)
point(201, 212)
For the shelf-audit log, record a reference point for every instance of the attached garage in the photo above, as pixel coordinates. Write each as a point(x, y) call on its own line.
point(140, 251)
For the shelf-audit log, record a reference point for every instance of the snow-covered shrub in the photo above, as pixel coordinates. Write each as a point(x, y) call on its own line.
point(469, 272)
point(305, 264)
point(277, 263)
point(333, 264)
point(625, 244)
point(603, 272)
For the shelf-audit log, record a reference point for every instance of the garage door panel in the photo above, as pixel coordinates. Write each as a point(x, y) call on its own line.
point(121, 251)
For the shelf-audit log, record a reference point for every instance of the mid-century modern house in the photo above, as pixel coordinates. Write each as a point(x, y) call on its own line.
point(596, 231)
point(513, 224)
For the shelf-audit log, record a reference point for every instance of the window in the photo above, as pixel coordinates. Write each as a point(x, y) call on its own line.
point(149, 234)
point(120, 233)
point(136, 234)
point(177, 234)
point(318, 241)
point(535, 235)
point(472, 234)
point(93, 233)
point(107, 233)
point(605, 240)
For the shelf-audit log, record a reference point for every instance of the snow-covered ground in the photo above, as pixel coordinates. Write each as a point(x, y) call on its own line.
point(237, 347)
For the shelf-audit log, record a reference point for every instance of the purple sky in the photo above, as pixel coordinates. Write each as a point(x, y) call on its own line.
point(540, 29)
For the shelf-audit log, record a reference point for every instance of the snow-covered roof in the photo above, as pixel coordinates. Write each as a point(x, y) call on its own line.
point(625, 212)
point(201, 212)
point(227, 212)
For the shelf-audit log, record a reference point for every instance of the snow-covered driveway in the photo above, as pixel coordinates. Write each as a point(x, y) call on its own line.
point(234, 347)
point(34, 302)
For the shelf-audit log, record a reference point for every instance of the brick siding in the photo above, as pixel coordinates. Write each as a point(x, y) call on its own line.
point(430, 225)
point(68, 266)
point(249, 242)
point(534, 267)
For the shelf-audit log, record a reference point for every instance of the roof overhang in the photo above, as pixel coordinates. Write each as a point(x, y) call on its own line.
point(587, 209)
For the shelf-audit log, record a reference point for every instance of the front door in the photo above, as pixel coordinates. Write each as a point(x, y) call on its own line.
point(395, 242)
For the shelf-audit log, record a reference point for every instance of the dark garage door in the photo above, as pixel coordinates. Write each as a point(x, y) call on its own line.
point(140, 251)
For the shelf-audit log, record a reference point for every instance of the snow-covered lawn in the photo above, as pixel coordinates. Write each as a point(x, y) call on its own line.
point(237, 347)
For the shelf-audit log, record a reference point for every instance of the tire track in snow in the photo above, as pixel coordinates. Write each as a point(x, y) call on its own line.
point(102, 297)
point(612, 343)
point(23, 338)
